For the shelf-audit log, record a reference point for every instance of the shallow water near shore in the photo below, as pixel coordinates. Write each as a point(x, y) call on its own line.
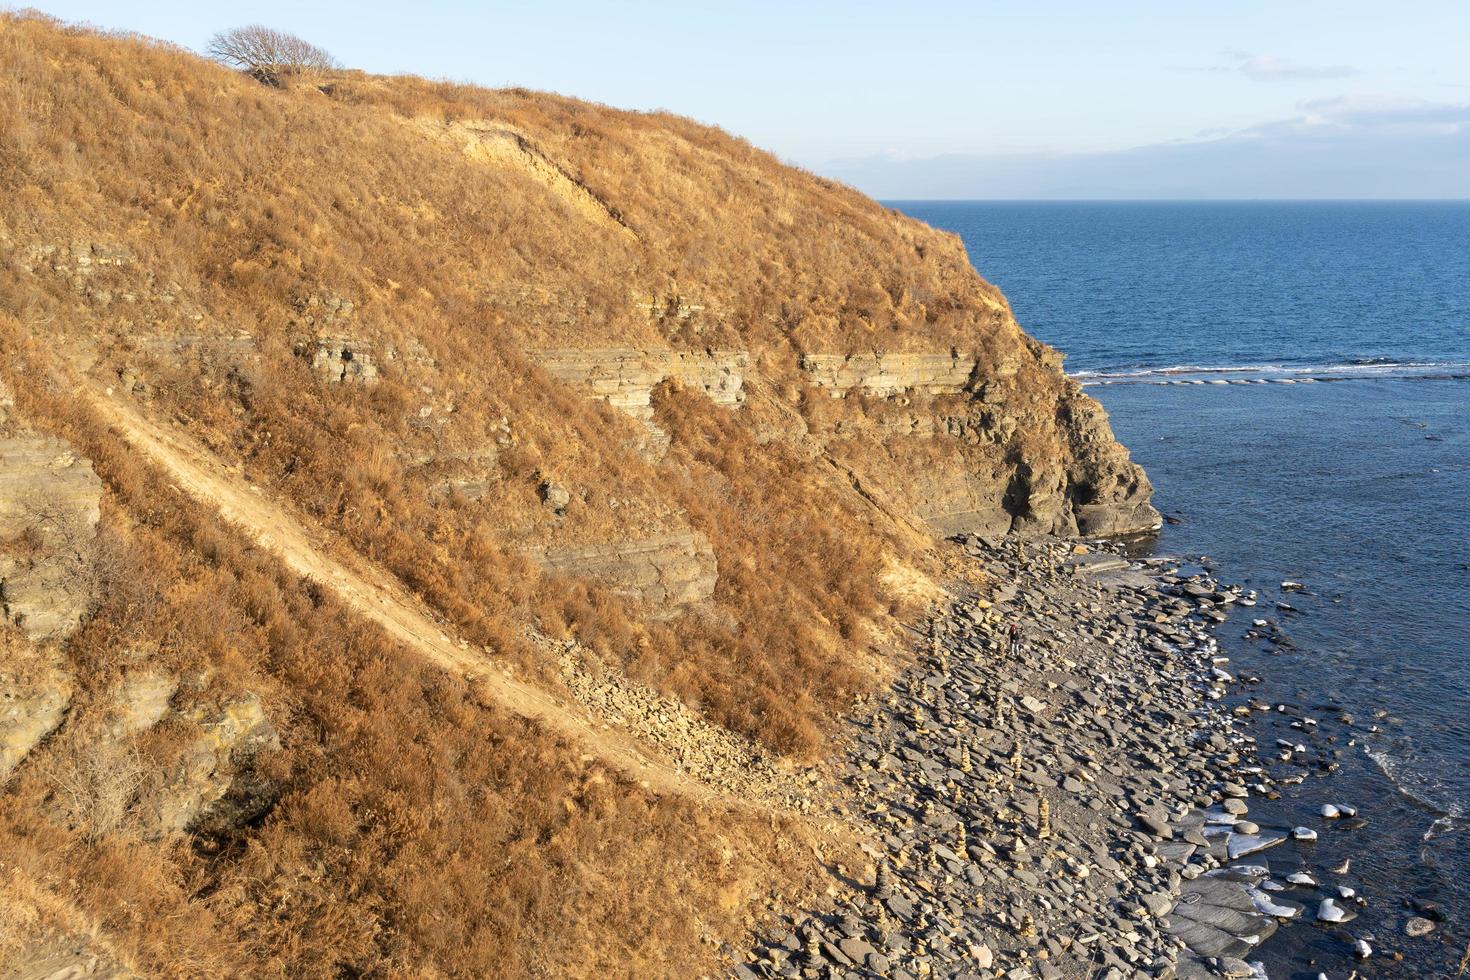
point(1294, 378)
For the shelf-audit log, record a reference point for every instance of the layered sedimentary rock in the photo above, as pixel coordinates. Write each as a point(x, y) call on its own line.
point(889, 374)
point(1109, 493)
point(626, 377)
point(985, 445)
point(344, 360)
point(669, 570)
point(1007, 456)
point(74, 259)
point(230, 350)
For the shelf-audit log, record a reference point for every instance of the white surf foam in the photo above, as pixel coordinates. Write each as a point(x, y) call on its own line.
point(1422, 789)
point(1280, 373)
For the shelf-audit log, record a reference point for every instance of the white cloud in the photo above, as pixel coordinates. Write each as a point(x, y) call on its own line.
point(1350, 146)
point(1366, 114)
point(1268, 68)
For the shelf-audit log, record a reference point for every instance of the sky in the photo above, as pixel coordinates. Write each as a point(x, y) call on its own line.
point(936, 99)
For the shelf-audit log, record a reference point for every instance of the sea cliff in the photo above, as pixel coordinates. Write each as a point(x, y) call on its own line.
point(475, 512)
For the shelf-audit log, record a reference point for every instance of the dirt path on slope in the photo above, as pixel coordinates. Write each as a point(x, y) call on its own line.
point(379, 597)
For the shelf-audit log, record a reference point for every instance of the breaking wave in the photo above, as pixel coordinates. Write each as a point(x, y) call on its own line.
point(1245, 374)
point(1423, 789)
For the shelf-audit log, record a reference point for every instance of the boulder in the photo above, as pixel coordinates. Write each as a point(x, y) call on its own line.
point(667, 570)
point(49, 508)
point(211, 784)
point(35, 692)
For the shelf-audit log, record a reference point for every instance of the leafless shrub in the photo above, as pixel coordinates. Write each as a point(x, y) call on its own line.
point(268, 54)
point(98, 790)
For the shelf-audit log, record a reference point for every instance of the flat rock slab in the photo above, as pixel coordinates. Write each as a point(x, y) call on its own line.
point(1218, 915)
point(1239, 845)
point(1097, 563)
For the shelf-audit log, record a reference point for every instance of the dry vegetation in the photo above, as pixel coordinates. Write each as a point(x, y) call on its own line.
point(420, 832)
point(238, 205)
point(268, 55)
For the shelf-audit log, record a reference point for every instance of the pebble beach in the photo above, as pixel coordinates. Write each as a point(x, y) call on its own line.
point(1065, 783)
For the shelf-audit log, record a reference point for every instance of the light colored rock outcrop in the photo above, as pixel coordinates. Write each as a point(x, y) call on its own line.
point(344, 360)
point(626, 377)
point(213, 766)
point(49, 508)
point(1023, 450)
point(670, 570)
point(238, 348)
point(141, 701)
point(1110, 494)
point(889, 374)
point(72, 259)
point(35, 692)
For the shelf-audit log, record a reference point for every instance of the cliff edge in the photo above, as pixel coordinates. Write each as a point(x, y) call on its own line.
point(613, 403)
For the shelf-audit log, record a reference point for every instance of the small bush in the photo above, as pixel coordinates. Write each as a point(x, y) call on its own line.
point(98, 789)
point(269, 54)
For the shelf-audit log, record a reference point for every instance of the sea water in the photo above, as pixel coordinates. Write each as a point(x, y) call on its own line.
point(1295, 377)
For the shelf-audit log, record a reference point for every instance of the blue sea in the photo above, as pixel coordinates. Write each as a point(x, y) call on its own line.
point(1295, 377)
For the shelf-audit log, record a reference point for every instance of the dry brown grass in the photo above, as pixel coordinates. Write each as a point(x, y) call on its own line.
point(422, 832)
point(240, 204)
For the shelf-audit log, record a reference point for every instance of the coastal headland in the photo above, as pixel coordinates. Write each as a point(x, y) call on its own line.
point(461, 532)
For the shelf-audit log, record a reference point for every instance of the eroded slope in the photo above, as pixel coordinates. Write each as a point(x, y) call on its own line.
point(567, 378)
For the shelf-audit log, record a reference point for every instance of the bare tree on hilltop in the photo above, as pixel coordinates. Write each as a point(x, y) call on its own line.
point(268, 54)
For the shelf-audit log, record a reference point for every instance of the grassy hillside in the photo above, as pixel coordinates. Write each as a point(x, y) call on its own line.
point(347, 293)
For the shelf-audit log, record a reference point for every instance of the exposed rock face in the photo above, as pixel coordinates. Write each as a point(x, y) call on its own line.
point(208, 782)
point(344, 360)
point(141, 701)
point(49, 508)
point(235, 348)
point(889, 374)
point(212, 781)
point(953, 499)
point(89, 268)
point(671, 570)
point(626, 377)
point(1109, 493)
point(35, 692)
point(1001, 460)
point(555, 496)
point(1008, 444)
point(74, 259)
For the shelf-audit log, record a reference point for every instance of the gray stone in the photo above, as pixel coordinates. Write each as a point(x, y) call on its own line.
point(1418, 926)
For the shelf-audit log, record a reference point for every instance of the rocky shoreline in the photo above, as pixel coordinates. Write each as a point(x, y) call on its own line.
point(1054, 790)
